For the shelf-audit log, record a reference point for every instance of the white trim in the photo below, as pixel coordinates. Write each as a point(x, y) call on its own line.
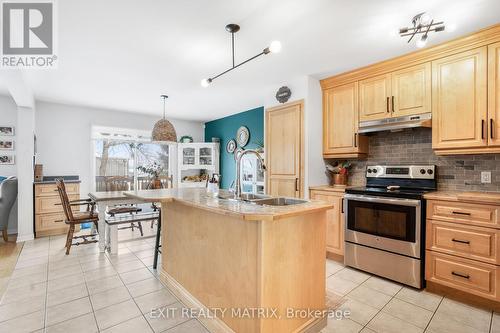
point(24, 238)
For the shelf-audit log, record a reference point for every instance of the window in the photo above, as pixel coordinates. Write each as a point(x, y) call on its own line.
point(125, 159)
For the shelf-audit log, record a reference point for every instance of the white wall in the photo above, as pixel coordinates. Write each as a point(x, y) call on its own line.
point(8, 117)
point(63, 136)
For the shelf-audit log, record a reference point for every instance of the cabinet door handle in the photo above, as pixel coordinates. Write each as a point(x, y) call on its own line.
point(392, 103)
point(342, 206)
point(460, 241)
point(460, 213)
point(465, 276)
point(482, 129)
point(356, 140)
point(388, 104)
point(491, 128)
point(296, 184)
point(58, 221)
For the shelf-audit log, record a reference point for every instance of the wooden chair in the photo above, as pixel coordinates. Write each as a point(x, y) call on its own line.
point(74, 218)
point(166, 182)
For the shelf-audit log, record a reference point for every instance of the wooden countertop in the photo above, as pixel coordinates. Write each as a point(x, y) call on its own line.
point(339, 189)
point(197, 197)
point(474, 197)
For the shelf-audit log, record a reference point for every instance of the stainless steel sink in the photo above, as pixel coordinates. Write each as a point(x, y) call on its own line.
point(279, 202)
point(253, 196)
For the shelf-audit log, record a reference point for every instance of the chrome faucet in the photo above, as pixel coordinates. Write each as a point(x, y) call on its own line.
point(237, 188)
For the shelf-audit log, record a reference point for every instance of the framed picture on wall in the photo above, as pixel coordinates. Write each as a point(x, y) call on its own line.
point(7, 130)
point(6, 144)
point(7, 159)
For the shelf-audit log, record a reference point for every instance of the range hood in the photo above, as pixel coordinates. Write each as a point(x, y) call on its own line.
point(396, 123)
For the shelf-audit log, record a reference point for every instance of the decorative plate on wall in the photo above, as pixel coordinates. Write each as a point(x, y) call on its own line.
point(242, 136)
point(237, 152)
point(231, 146)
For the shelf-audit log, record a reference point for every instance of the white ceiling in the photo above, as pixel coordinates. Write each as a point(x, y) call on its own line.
point(122, 54)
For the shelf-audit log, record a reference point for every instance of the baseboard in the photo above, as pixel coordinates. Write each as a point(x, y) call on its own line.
point(214, 325)
point(24, 238)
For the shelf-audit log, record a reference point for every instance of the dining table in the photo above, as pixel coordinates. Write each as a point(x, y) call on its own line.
point(108, 236)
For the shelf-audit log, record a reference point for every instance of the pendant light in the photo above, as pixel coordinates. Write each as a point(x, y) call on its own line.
point(164, 131)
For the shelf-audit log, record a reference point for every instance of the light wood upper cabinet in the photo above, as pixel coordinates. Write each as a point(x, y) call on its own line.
point(411, 91)
point(494, 95)
point(459, 100)
point(334, 220)
point(284, 150)
point(340, 122)
point(374, 98)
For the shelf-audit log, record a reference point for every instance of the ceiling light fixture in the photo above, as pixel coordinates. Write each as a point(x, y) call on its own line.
point(423, 23)
point(274, 47)
point(164, 131)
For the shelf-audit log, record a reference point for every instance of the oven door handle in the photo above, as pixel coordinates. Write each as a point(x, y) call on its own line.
point(384, 200)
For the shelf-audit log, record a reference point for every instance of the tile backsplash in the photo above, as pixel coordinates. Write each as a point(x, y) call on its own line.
point(414, 146)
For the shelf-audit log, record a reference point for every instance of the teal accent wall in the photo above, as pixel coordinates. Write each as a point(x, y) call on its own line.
point(225, 129)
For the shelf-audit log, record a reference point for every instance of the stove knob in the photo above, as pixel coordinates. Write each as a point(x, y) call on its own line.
point(369, 170)
point(422, 171)
point(430, 172)
point(374, 170)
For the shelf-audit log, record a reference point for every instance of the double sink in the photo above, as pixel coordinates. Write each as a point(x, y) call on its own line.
point(262, 200)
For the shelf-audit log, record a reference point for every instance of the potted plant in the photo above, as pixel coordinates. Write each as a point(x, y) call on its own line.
point(339, 172)
point(154, 170)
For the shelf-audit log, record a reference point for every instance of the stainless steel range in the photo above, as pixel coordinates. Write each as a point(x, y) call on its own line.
point(384, 229)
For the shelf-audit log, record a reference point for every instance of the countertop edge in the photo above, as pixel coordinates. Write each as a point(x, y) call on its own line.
point(490, 198)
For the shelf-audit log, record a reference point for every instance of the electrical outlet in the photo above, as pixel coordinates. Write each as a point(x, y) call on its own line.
point(486, 177)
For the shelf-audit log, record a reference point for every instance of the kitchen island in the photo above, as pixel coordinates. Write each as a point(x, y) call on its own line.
point(257, 268)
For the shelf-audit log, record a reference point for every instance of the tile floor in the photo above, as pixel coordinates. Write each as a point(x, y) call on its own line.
point(92, 292)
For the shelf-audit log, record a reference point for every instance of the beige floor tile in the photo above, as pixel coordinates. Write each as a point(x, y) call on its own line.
point(169, 317)
point(468, 315)
point(82, 324)
point(408, 312)
point(351, 274)
point(140, 247)
point(495, 323)
point(155, 300)
point(135, 325)
point(24, 324)
point(30, 270)
point(128, 266)
point(66, 295)
point(420, 298)
point(144, 287)
point(342, 326)
point(369, 296)
point(28, 280)
point(65, 263)
point(441, 323)
point(148, 261)
point(145, 253)
point(83, 258)
point(384, 286)
point(23, 293)
point(32, 262)
point(98, 286)
point(359, 312)
point(191, 326)
point(333, 267)
point(116, 314)
point(367, 330)
point(16, 309)
point(339, 285)
point(65, 271)
point(62, 312)
point(99, 273)
point(65, 282)
point(135, 276)
point(93, 265)
point(385, 323)
point(109, 297)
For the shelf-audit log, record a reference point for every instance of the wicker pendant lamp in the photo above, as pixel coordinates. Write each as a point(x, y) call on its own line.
point(163, 130)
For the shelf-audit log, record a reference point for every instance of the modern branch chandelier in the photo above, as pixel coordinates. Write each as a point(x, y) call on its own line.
point(232, 28)
point(423, 23)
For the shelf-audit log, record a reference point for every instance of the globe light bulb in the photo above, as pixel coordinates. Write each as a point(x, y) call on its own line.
point(205, 82)
point(422, 42)
point(275, 47)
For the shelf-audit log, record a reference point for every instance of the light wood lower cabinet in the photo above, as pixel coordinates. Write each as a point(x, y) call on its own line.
point(335, 219)
point(463, 247)
point(494, 95)
point(49, 214)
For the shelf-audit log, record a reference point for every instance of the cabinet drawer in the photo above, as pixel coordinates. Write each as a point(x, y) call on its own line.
point(459, 212)
point(49, 221)
point(51, 189)
point(45, 205)
point(463, 274)
point(465, 241)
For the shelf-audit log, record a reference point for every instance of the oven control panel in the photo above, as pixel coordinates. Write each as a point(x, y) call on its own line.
point(401, 171)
